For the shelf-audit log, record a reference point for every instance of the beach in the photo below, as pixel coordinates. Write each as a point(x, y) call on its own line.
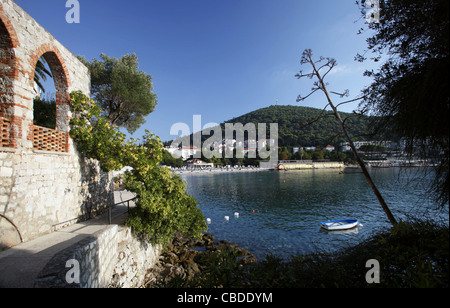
point(205, 171)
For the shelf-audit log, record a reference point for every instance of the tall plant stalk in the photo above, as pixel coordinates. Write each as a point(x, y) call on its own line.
point(321, 85)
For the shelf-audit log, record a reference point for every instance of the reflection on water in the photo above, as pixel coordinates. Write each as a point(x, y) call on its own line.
point(280, 212)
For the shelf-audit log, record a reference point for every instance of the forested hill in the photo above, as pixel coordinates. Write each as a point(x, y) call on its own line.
point(298, 126)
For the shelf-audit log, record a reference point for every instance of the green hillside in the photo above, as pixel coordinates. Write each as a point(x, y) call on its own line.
point(298, 126)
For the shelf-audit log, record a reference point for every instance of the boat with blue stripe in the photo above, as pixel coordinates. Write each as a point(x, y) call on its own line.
point(342, 224)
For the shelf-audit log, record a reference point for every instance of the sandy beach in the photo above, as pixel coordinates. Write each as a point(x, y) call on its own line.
point(217, 170)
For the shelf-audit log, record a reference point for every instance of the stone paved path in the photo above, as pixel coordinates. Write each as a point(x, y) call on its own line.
point(20, 265)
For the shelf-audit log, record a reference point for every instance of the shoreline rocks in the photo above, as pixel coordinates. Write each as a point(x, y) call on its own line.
point(185, 258)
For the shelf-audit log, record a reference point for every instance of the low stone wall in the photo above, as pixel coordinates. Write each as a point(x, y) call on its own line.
point(112, 256)
point(44, 191)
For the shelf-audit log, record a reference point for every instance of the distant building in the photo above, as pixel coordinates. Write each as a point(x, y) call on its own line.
point(358, 144)
point(198, 164)
point(184, 152)
point(309, 148)
point(329, 148)
point(263, 143)
point(250, 152)
point(230, 142)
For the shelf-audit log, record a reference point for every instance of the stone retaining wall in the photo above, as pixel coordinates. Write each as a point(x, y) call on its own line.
point(42, 192)
point(112, 256)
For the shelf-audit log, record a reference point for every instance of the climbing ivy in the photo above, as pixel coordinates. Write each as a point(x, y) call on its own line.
point(163, 207)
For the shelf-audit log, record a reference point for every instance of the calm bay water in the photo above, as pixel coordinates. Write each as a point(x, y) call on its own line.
point(280, 212)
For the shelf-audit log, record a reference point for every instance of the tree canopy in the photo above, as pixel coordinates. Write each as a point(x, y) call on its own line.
point(410, 90)
point(124, 93)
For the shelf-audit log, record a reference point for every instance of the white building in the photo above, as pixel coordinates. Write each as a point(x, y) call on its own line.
point(198, 164)
point(358, 144)
point(184, 152)
point(329, 148)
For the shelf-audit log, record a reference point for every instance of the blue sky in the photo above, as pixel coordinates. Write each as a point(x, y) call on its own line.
point(216, 58)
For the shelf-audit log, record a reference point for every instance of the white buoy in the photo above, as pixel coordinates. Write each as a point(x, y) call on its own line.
point(208, 221)
point(227, 218)
point(236, 215)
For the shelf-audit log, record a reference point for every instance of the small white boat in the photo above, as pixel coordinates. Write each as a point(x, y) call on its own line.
point(343, 224)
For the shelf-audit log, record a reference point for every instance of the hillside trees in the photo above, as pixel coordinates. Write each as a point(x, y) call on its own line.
point(298, 128)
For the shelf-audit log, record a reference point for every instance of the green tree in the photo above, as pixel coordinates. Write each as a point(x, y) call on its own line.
point(410, 90)
point(124, 93)
point(168, 160)
point(318, 155)
point(163, 206)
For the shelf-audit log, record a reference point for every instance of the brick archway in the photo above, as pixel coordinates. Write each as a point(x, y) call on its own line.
point(17, 67)
point(8, 74)
point(61, 80)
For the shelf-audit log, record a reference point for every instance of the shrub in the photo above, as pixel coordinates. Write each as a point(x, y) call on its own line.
point(163, 207)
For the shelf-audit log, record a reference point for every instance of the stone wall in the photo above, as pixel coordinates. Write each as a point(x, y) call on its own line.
point(44, 183)
point(113, 255)
point(43, 192)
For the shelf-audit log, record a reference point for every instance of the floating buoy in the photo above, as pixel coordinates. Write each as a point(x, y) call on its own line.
point(227, 218)
point(253, 211)
point(208, 221)
point(236, 215)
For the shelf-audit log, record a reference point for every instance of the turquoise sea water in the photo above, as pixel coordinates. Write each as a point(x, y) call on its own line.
point(280, 212)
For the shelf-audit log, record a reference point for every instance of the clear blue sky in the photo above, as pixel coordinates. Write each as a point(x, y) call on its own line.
point(216, 58)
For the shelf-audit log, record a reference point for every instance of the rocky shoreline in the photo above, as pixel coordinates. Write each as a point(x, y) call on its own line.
point(185, 258)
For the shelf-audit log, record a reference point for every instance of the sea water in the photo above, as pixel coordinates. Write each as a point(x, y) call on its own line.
point(279, 212)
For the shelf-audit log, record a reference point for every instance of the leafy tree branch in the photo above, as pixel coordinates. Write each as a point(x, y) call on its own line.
point(163, 207)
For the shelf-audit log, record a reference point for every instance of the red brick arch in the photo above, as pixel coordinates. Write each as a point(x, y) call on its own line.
point(8, 25)
point(8, 75)
point(8, 61)
point(60, 76)
point(57, 67)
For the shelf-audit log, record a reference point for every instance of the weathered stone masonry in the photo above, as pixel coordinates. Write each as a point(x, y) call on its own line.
point(44, 183)
point(113, 255)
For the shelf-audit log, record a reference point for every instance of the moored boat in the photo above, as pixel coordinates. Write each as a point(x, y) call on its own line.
point(343, 224)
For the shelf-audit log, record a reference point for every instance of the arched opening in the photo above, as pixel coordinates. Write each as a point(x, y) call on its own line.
point(7, 75)
point(44, 101)
point(50, 133)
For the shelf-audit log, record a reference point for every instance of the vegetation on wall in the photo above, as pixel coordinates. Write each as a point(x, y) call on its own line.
point(163, 207)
